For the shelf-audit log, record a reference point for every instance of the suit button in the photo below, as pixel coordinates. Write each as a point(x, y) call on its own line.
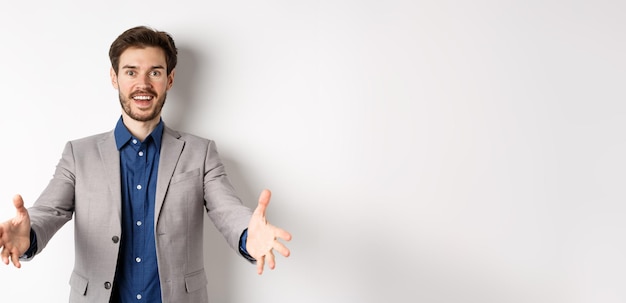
point(115, 239)
point(107, 285)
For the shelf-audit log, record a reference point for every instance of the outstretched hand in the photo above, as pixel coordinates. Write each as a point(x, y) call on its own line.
point(263, 237)
point(15, 234)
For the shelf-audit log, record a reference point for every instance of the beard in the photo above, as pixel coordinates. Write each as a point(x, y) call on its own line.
point(139, 115)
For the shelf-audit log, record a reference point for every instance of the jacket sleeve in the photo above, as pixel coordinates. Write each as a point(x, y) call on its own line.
point(55, 205)
point(224, 207)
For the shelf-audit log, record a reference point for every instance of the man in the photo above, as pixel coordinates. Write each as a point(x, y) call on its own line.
point(138, 195)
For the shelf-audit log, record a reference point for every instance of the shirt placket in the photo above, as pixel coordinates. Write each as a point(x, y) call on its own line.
point(139, 215)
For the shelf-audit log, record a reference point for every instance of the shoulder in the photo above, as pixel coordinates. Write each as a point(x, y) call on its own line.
point(90, 145)
point(190, 143)
point(92, 139)
point(188, 138)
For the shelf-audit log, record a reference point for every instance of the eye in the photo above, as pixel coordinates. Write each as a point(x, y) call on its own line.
point(155, 73)
point(130, 72)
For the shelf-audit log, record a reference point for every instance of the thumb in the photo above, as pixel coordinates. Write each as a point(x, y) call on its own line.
point(264, 200)
point(22, 212)
point(18, 202)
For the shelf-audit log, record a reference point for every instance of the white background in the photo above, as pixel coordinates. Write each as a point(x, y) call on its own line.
point(418, 151)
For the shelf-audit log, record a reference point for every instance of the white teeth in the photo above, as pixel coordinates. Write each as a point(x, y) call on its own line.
point(142, 97)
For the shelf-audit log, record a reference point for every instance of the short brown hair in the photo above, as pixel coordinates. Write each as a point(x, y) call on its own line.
point(143, 36)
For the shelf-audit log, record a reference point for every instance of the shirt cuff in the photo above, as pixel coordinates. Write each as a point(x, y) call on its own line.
point(32, 249)
point(242, 246)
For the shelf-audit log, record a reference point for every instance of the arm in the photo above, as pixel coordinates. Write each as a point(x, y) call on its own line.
point(50, 212)
point(224, 207)
point(55, 206)
point(230, 216)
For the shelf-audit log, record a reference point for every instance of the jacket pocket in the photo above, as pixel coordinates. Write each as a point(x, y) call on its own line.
point(79, 284)
point(186, 175)
point(195, 281)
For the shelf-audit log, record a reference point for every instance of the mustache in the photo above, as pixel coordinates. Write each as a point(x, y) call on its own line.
point(143, 92)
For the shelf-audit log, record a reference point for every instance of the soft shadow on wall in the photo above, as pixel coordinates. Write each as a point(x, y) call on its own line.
point(182, 98)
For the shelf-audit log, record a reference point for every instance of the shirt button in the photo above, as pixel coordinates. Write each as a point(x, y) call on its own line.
point(115, 239)
point(137, 259)
point(139, 297)
point(139, 186)
point(140, 153)
point(134, 141)
point(107, 285)
point(139, 223)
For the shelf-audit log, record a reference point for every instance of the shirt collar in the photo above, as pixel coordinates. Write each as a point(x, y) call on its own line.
point(122, 135)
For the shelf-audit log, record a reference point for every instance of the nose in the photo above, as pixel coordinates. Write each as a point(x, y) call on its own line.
point(144, 82)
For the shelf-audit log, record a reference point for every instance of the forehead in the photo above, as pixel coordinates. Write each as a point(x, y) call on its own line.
point(142, 57)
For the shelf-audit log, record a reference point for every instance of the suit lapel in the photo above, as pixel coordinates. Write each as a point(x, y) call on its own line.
point(171, 148)
point(111, 162)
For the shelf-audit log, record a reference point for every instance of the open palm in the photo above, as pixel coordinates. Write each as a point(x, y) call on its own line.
point(263, 237)
point(15, 234)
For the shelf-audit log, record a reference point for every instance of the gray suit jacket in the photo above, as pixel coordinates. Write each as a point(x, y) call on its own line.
point(86, 184)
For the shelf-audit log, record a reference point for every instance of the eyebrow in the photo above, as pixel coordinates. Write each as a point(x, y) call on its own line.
point(135, 67)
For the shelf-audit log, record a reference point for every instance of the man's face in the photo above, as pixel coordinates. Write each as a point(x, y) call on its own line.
point(142, 82)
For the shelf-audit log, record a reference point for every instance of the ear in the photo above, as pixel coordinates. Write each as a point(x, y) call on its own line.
point(114, 79)
point(170, 79)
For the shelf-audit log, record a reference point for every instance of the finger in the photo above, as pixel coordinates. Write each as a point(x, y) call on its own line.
point(15, 258)
point(282, 249)
point(264, 200)
point(260, 262)
point(5, 256)
point(18, 202)
point(271, 262)
point(281, 233)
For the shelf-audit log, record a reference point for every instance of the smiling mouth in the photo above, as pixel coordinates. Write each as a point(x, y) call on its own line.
point(143, 102)
point(142, 98)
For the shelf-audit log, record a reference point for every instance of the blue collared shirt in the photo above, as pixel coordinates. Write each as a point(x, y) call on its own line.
point(137, 275)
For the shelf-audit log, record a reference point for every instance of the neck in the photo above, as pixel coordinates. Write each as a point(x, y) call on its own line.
point(140, 129)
